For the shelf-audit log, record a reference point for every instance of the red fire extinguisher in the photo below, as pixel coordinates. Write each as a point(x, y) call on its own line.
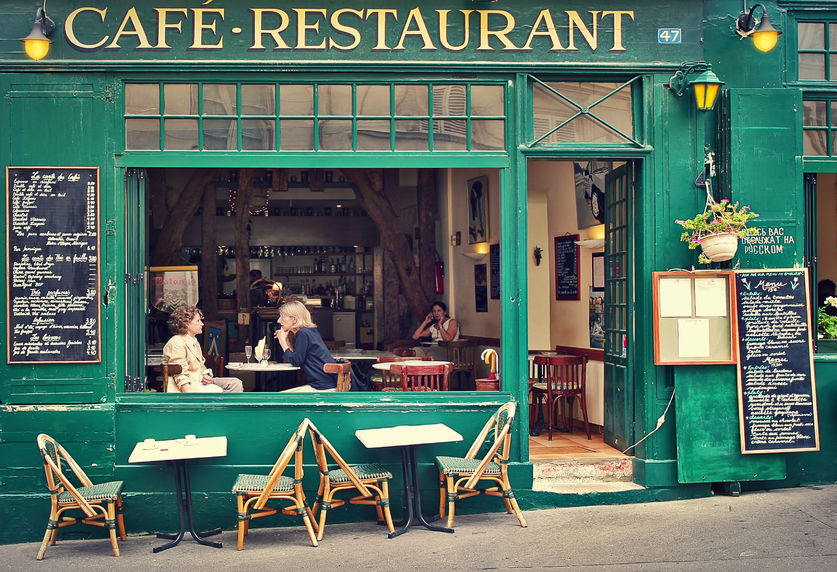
point(440, 275)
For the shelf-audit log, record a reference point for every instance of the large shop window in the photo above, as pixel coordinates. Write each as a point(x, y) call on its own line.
point(315, 117)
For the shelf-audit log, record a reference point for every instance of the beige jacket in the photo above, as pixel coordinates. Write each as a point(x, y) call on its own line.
point(185, 351)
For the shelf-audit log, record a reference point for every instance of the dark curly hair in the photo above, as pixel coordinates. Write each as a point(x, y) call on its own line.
point(180, 318)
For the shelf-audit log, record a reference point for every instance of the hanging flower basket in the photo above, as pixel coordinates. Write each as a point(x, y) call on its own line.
point(719, 247)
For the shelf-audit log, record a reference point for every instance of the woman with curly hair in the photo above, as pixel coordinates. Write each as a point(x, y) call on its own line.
point(183, 349)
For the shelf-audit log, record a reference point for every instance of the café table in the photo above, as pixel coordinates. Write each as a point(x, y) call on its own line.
point(408, 437)
point(178, 453)
point(361, 355)
point(384, 366)
point(260, 371)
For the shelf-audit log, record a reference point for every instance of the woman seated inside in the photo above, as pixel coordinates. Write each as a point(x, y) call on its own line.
point(303, 347)
point(438, 326)
point(183, 349)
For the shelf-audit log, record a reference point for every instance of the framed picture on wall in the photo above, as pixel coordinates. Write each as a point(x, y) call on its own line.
point(480, 288)
point(494, 261)
point(598, 274)
point(477, 210)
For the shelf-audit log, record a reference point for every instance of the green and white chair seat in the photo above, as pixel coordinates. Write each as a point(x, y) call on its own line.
point(101, 492)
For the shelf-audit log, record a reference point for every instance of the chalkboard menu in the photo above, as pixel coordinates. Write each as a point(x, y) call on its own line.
point(566, 268)
point(776, 389)
point(494, 266)
point(52, 273)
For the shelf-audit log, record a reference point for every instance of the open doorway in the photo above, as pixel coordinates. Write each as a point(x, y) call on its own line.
point(580, 223)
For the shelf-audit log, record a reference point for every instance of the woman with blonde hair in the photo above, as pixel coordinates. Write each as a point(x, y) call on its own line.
point(303, 347)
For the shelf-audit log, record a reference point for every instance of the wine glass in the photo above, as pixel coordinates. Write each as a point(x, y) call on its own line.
point(266, 355)
point(248, 351)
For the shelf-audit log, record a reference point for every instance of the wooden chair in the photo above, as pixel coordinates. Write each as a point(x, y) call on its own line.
point(216, 364)
point(389, 380)
point(102, 502)
point(561, 377)
point(423, 377)
point(168, 370)
point(344, 374)
point(334, 344)
point(370, 480)
point(253, 492)
point(459, 476)
point(462, 354)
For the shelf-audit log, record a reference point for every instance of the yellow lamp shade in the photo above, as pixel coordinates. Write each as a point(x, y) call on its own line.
point(706, 87)
point(36, 49)
point(765, 40)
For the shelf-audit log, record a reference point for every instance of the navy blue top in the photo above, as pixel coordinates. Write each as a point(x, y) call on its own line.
point(310, 353)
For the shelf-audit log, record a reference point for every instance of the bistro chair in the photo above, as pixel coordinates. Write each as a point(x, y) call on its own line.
point(334, 345)
point(561, 377)
point(102, 502)
point(344, 374)
point(391, 381)
point(536, 419)
point(462, 354)
point(423, 377)
point(459, 476)
point(370, 480)
point(171, 369)
point(253, 492)
point(216, 364)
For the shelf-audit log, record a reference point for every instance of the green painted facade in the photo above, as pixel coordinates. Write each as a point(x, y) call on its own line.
point(67, 110)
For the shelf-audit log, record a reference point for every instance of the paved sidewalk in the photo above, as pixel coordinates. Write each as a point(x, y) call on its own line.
point(783, 530)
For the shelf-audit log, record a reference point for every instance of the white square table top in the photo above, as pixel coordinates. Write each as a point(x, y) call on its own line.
point(404, 435)
point(177, 449)
point(259, 368)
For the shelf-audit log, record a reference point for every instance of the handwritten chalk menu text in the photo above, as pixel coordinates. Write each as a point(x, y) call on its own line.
point(776, 389)
point(566, 268)
point(52, 237)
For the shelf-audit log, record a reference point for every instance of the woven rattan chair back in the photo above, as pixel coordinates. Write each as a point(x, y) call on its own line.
point(344, 374)
point(562, 377)
point(371, 481)
point(391, 381)
point(423, 377)
point(253, 492)
point(459, 476)
point(101, 504)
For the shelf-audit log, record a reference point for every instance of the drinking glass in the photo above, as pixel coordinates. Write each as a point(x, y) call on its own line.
point(266, 355)
point(248, 351)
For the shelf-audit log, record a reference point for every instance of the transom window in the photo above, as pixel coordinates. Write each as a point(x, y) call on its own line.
point(314, 117)
point(817, 50)
point(582, 112)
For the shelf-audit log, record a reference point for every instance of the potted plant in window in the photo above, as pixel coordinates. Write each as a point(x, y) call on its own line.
point(717, 229)
point(827, 325)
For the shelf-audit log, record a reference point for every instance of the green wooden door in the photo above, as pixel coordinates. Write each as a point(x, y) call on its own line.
point(618, 376)
point(135, 277)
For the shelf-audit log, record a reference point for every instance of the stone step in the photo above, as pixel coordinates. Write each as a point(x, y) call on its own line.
point(597, 469)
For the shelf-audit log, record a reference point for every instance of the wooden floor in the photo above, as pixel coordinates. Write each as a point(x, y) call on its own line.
point(566, 446)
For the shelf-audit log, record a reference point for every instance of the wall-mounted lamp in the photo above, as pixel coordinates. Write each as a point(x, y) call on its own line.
point(765, 36)
point(475, 256)
point(36, 44)
point(706, 85)
point(591, 243)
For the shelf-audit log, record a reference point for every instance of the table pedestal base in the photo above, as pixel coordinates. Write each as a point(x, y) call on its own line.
point(184, 508)
point(411, 490)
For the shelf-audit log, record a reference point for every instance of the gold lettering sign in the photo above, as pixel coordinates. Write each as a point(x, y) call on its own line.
point(320, 29)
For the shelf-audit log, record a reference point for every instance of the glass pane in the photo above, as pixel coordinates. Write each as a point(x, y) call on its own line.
point(335, 100)
point(335, 134)
point(832, 72)
point(142, 99)
point(181, 133)
point(180, 99)
point(372, 100)
point(550, 110)
point(811, 66)
point(296, 134)
point(488, 134)
point(814, 142)
point(296, 100)
point(411, 135)
point(142, 134)
point(220, 134)
point(258, 134)
point(373, 134)
point(219, 99)
point(410, 100)
point(811, 35)
point(813, 113)
point(487, 100)
point(258, 99)
point(449, 100)
point(450, 135)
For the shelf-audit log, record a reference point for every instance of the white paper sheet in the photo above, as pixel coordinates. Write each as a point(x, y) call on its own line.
point(693, 338)
point(710, 297)
point(675, 297)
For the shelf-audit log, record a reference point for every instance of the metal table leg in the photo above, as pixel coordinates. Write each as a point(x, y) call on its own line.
point(184, 507)
point(409, 466)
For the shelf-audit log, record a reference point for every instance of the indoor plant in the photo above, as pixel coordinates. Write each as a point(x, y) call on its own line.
point(717, 229)
point(826, 322)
